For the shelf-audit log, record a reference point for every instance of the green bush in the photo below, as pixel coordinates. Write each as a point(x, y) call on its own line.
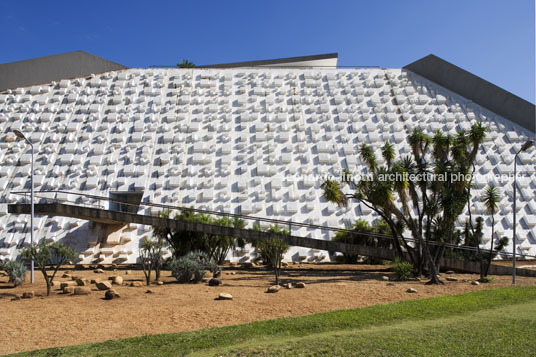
point(403, 270)
point(16, 271)
point(192, 267)
point(363, 233)
point(486, 279)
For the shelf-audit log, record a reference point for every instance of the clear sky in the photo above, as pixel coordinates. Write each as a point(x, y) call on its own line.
point(493, 39)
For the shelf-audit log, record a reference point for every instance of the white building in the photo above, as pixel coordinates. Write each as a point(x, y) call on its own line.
point(233, 138)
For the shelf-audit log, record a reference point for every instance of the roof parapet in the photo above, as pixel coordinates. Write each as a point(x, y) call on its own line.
point(476, 89)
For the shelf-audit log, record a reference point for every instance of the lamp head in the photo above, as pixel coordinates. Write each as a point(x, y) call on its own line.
point(19, 133)
point(527, 145)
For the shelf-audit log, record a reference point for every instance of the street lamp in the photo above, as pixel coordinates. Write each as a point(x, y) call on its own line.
point(21, 136)
point(525, 147)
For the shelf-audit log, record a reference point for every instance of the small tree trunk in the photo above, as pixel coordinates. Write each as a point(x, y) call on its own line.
point(491, 248)
point(48, 286)
point(148, 277)
point(434, 279)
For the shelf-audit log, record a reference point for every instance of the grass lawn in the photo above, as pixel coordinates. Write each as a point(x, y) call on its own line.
point(488, 322)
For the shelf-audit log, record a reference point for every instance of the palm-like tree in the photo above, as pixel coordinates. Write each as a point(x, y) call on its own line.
point(185, 64)
point(491, 200)
point(388, 153)
point(367, 154)
point(403, 193)
point(333, 193)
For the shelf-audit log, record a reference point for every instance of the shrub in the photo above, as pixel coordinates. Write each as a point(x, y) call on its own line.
point(403, 270)
point(363, 233)
point(486, 279)
point(16, 271)
point(191, 268)
point(151, 258)
point(183, 242)
point(44, 254)
point(272, 250)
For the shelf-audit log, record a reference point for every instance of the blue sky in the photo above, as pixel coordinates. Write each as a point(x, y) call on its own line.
point(490, 38)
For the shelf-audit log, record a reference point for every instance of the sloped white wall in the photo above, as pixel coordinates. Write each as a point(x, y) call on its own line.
point(231, 140)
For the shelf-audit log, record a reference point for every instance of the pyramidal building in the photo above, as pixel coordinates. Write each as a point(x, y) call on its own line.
point(250, 138)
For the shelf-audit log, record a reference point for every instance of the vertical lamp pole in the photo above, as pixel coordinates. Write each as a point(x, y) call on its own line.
point(525, 146)
point(21, 136)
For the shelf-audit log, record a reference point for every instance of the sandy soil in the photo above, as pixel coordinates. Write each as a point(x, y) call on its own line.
point(60, 319)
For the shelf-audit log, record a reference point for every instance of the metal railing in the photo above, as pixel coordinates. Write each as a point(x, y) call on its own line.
point(95, 202)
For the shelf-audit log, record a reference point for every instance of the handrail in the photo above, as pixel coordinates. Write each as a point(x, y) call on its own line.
point(283, 223)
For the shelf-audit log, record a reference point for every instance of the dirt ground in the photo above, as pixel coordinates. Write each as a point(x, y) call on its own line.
point(61, 319)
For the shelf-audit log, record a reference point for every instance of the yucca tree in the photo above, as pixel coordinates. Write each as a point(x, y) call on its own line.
point(407, 198)
point(388, 153)
point(367, 154)
point(492, 197)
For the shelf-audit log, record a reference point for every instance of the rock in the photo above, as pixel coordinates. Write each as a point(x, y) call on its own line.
point(67, 283)
point(136, 283)
point(82, 290)
point(386, 278)
point(111, 294)
point(300, 285)
point(80, 267)
point(94, 281)
point(224, 296)
point(411, 290)
point(475, 283)
point(450, 278)
point(149, 292)
point(214, 282)
point(82, 282)
point(66, 275)
point(15, 298)
point(288, 285)
point(284, 264)
point(390, 284)
point(159, 282)
point(68, 290)
point(117, 280)
point(103, 285)
point(273, 289)
point(449, 272)
point(28, 295)
point(465, 280)
point(217, 274)
point(98, 271)
point(233, 273)
point(249, 265)
point(75, 278)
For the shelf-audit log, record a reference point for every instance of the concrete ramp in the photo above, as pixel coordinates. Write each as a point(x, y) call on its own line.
point(111, 217)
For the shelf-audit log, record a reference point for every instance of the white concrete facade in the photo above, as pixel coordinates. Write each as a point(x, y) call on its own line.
point(232, 140)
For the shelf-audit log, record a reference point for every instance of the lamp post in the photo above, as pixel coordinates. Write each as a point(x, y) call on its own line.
point(21, 136)
point(525, 146)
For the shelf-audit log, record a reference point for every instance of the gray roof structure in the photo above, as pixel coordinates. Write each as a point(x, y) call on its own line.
point(301, 61)
point(476, 89)
point(53, 68)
